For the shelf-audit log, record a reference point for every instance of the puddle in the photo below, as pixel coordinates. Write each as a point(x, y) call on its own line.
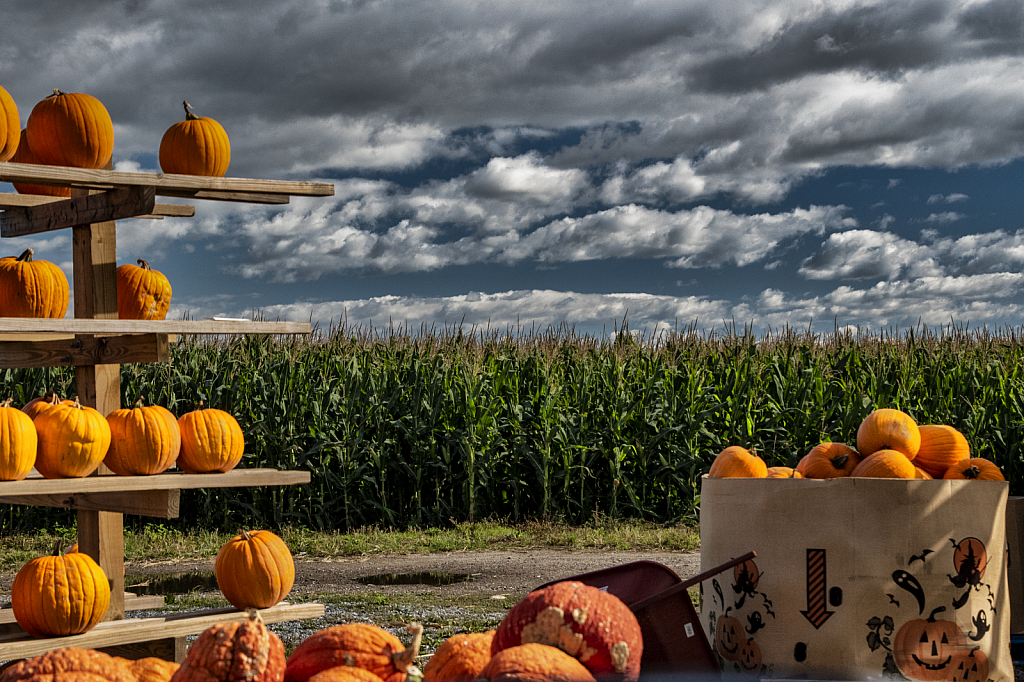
point(172, 583)
point(432, 579)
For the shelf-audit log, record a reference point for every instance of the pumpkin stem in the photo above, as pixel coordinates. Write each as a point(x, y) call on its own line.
point(189, 116)
point(404, 658)
point(58, 547)
point(138, 403)
point(52, 398)
point(246, 535)
point(839, 461)
point(971, 472)
point(254, 614)
point(7, 403)
point(26, 256)
point(77, 404)
point(937, 609)
point(143, 264)
point(56, 93)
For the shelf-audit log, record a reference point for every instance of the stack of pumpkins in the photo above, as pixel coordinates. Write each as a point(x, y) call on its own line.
point(890, 444)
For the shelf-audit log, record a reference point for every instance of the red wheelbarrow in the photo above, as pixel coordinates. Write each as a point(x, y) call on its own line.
point(674, 641)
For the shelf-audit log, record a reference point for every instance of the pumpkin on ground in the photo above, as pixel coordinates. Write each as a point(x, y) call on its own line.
point(211, 441)
point(233, 652)
point(885, 464)
point(10, 123)
point(196, 146)
point(460, 658)
point(359, 645)
point(18, 443)
point(254, 569)
point(737, 462)
point(25, 155)
point(60, 595)
point(783, 472)
point(151, 669)
point(142, 293)
point(71, 129)
point(535, 663)
point(143, 440)
point(974, 469)
point(69, 664)
point(829, 460)
point(924, 649)
point(593, 625)
point(941, 447)
point(888, 429)
point(73, 440)
point(32, 288)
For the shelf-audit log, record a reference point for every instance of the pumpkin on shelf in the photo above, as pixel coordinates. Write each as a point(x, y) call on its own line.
point(198, 145)
point(60, 595)
point(211, 441)
point(143, 440)
point(69, 663)
point(974, 469)
point(254, 569)
point(888, 429)
point(737, 462)
point(359, 645)
point(142, 293)
point(535, 663)
point(942, 446)
point(18, 443)
point(37, 405)
point(71, 129)
point(885, 464)
point(9, 125)
point(460, 658)
point(233, 652)
point(783, 472)
point(150, 669)
point(73, 440)
point(25, 155)
point(32, 288)
point(829, 460)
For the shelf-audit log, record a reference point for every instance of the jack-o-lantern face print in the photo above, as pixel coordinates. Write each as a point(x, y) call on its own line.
point(729, 637)
point(926, 649)
point(970, 666)
point(750, 656)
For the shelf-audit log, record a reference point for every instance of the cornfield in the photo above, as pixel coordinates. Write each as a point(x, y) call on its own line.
point(403, 429)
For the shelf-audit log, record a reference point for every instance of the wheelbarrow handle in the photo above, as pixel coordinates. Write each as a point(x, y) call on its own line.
point(686, 584)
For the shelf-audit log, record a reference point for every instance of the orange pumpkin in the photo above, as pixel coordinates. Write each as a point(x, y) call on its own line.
point(829, 460)
point(344, 673)
point(211, 441)
point(234, 652)
point(60, 595)
point(460, 658)
point(10, 123)
point(885, 464)
point(142, 293)
point(783, 472)
point(195, 146)
point(535, 663)
point(254, 569)
point(143, 440)
point(32, 288)
point(354, 644)
point(69, 664)
point(921, 474)
point(888, 429)
point(73, 440)
point(926, 649)
point(941, 447)
point(974, 469)
point(18, 443)
point(36, 405)
point(25, 155)
point(71, 130)
point(737, 462)
point(151, 669)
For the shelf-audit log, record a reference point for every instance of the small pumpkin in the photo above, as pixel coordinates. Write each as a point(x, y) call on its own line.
point(230, 652)
point(151, 669)
point(535, 662)
point(359, 645)
point(974, 469)
point(143, 440)
point(729, 637)
point(60, 595)
point(593, 625)
point(142, 293)
point(73, 440)
point(925, 649)
point(18, 443)
point(888, 429)
point(885, 464)
point(32, 288)
point(737, 462)
point(254, 569)
point(344, 673)
point(942, 446)
point(69, 664)
point(211, 441)
point(25, 155)
point(195, 146)
point(71, 129)
point(783, 472)
point(460, 658)
point(829, 460)
point(10, 123)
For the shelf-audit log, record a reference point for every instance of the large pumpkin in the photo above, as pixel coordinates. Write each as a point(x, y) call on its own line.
point(359, 645)
point(535, 663)
point(211, 441)
point(593, 625)
point(10, 124)
point(829, 460)
point(974, 469)
point(941, 447)
point(737, 462)
point(460, 658)
point(73, 440)
point(885, 464)
point(254, 569)
point(234, 652)
point(25, 155)
point(142, 293)
point(926, 649)
point(71, 130)
point(69, 664)
point(143, 440)
point(195, 146)
point(18, 443)
point(888, 429)
point(32, 288)
point(60, 595)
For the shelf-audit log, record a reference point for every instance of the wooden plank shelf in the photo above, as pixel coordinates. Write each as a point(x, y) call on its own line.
point(160, 211)
point(110, 483)
point(132, 602)
point(114, 326)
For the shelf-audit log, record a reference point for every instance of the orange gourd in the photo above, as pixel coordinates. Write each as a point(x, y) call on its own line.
point(885, 464)
point(888, 429)
point(73, 439)
point(254, 569)
point(535, 663)
point(211, 441)
point(974, 469)
point(737, 462)
point(71, 129)
point(18, 443)
point(234, 652)
point(60, 595)
point(783, 472)
point(195, 146)
point(460, 658)
point(32, 288)
point(829, 460)
point(143, 440)
point(359, 645)
point(150, 668)
point(941, 447)
point(69, 664)
point(142, 293)
point(10, 123)
point(25, 155)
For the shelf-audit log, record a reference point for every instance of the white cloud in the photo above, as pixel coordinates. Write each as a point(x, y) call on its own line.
point(945, 217)
point(866, 254)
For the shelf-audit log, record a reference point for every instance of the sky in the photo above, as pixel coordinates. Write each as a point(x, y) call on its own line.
point(763, 163)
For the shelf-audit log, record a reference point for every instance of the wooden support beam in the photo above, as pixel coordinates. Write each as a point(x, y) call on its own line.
point(8, 200)
point(114, 204)
point(87, 350)
point(161, 504)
